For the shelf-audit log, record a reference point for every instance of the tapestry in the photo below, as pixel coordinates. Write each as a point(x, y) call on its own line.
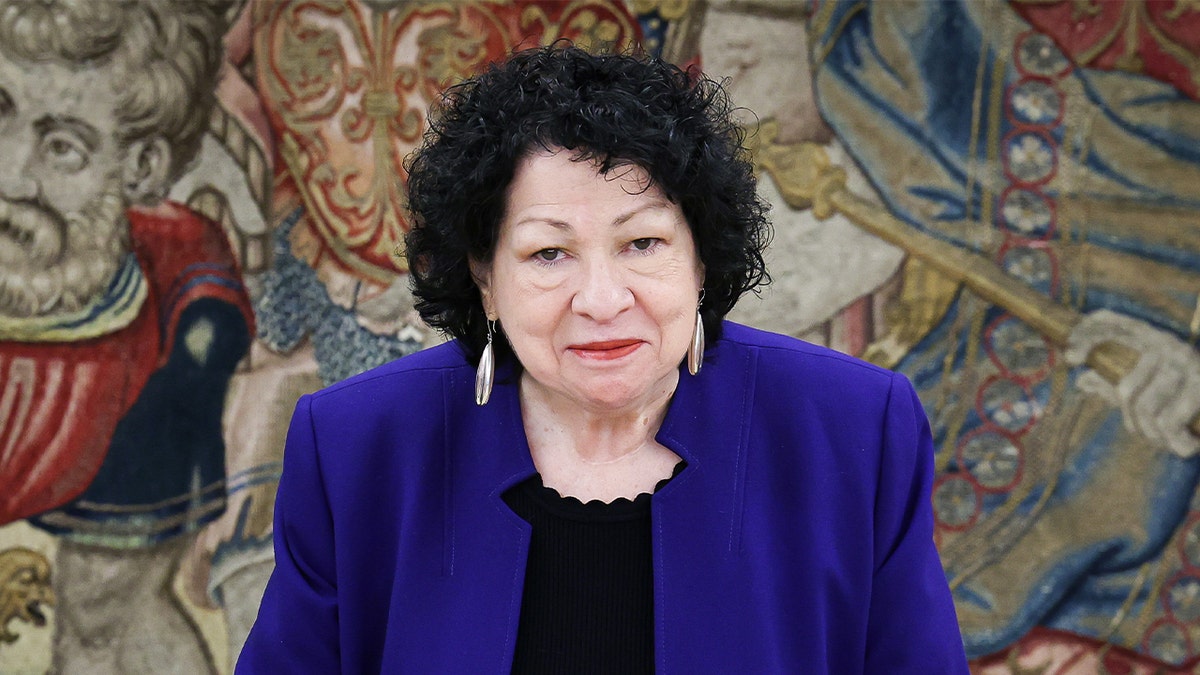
point(202, 215)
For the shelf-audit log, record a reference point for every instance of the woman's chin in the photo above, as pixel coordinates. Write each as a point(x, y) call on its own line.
point(624, 391)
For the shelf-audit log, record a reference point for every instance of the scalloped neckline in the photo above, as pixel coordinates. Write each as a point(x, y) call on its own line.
point(621, 508)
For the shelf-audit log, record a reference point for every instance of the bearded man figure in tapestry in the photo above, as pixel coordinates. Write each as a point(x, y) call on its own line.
point(122, 316)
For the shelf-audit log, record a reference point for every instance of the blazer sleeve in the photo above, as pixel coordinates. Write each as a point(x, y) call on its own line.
point(297, 626)
point(912, 627)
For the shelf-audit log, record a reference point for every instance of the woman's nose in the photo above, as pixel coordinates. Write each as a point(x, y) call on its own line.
point(603, 293)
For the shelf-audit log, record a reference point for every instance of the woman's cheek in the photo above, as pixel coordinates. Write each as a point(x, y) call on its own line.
point(543, 280)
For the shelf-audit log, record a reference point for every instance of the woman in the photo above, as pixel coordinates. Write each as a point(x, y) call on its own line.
point(549, 492)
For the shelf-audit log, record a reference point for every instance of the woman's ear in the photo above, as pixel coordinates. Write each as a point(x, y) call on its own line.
point(481, 273)
point(146, 170)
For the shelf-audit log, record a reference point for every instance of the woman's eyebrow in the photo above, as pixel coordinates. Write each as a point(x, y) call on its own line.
point(654, 205)
point(617, 222)
point(543, 220)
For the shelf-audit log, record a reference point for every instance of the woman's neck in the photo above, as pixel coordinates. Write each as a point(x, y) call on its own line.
point(596, 454)
point(595, 435)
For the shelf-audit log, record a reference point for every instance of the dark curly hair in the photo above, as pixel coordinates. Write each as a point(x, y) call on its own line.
point(614, 109)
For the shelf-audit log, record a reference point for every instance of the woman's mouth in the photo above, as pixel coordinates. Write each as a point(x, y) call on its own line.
point(606, 350)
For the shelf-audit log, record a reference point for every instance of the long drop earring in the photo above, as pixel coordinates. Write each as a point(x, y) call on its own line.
point(695, 352)
point(486, 371)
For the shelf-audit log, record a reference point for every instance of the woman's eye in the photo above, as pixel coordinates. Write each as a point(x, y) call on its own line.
point(548, 254)
point(643, 244)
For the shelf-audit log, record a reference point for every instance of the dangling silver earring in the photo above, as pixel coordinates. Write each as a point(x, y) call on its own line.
point(695, 353)
point(486, 370)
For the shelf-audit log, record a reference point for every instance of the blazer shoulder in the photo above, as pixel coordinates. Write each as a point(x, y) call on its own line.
point(402, 374)
point(792, 357)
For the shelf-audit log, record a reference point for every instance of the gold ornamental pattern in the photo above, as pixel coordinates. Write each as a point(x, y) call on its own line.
point(347, 84)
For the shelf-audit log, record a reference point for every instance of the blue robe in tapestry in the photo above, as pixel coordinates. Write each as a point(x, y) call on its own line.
point(1085, 185)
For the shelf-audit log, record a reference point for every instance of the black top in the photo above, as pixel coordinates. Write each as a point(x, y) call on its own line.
point(588, 604)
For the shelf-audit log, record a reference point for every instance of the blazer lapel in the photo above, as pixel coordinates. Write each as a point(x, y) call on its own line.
point(482, 570)
point(697, 517)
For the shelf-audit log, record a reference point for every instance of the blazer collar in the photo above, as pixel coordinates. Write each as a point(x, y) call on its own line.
point(706, 425)
point(707, 415)
point(499, 454)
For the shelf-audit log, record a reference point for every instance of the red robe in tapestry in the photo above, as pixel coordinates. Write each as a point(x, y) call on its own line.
point(61, 401)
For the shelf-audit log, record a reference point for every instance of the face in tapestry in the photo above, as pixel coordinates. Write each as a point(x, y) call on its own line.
point(63, 175)
point(595, 281)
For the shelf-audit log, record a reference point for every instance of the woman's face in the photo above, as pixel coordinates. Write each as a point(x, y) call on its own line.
point(595, 281)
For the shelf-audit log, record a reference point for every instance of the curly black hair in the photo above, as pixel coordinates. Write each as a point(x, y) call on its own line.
point(613, 109)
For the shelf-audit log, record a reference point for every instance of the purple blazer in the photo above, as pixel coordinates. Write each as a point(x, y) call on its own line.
point(799, 539)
